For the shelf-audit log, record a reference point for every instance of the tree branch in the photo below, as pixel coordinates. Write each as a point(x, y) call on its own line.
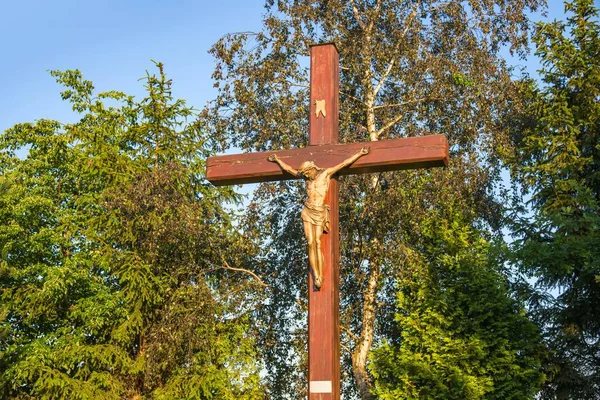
point(411, 17)
point(357, 15)
point(389, 124)
point(352, 97)
point(372, 20)
point(346, 348)
point(395, 120)
point(404, 103)
point(229, 267)
point(387, 71)
point(396, 49)
point(352, 335)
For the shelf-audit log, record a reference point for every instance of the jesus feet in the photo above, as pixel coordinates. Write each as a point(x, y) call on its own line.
point(318, 282)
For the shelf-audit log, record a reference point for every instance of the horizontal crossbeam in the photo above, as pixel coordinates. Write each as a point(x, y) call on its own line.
point(386, 155)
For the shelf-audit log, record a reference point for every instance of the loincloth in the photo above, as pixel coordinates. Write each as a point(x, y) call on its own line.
point(316, 215)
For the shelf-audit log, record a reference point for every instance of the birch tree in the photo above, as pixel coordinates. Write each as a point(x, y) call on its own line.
point(407, 68)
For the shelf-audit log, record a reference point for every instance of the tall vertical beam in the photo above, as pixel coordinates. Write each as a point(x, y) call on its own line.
point(323, 310)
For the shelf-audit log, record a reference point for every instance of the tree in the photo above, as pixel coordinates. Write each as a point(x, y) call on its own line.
point(557, 162)
point(407, 68)
point(116, 256)
point(459, 335)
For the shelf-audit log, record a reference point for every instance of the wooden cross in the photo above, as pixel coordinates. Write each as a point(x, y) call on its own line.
point(324, 150)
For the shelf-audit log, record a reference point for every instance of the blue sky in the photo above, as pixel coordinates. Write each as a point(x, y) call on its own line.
point(112, 43)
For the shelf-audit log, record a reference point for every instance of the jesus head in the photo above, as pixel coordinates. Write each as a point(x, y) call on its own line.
point(308, 169)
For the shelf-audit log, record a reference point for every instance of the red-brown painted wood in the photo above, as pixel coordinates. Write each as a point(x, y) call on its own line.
point(323, 304)
point(416, 152)
point(386, 155)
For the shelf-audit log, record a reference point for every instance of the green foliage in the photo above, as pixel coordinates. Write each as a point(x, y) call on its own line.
point(459, 335)
point(113, 250)
point(558, 164)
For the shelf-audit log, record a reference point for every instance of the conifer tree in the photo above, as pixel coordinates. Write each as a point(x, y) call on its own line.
point(115, 250)
point(558, 165)
point(458, 335)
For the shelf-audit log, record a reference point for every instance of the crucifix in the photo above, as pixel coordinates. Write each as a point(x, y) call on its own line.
point(325, 154)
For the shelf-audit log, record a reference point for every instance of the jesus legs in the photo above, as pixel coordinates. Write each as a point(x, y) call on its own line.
point(315, 256)
point(319, 255)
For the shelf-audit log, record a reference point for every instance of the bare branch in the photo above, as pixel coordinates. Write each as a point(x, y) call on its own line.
point(411, 17)
point(387, 70)
point(229, 267)
point(357, 15)
point(260, 281)
point(389, 124)
point(378, 6)
point(372, 20)
point(352, 97)
point(352, 335)
point(396, 48)
point(396, 119)
point(404, 103)
point(346, 348)
point(299, 85)
point(244, 33)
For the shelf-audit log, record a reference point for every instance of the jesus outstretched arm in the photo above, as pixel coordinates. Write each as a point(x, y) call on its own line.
point(347, 162)
point(286, 167)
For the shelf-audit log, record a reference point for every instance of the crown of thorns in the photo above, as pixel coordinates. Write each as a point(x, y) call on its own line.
point(306, 166)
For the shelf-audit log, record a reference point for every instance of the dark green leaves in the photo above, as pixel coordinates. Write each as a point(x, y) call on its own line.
point(558, 163)
point(112, 249)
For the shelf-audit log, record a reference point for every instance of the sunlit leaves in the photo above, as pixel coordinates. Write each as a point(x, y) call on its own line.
point(460, 336)
point(111, 252)
point(558, 164)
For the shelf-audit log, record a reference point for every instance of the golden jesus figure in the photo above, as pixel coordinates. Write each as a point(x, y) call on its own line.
point(315, 214)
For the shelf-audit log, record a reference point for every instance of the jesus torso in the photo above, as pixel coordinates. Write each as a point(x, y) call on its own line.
point(316, 189)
